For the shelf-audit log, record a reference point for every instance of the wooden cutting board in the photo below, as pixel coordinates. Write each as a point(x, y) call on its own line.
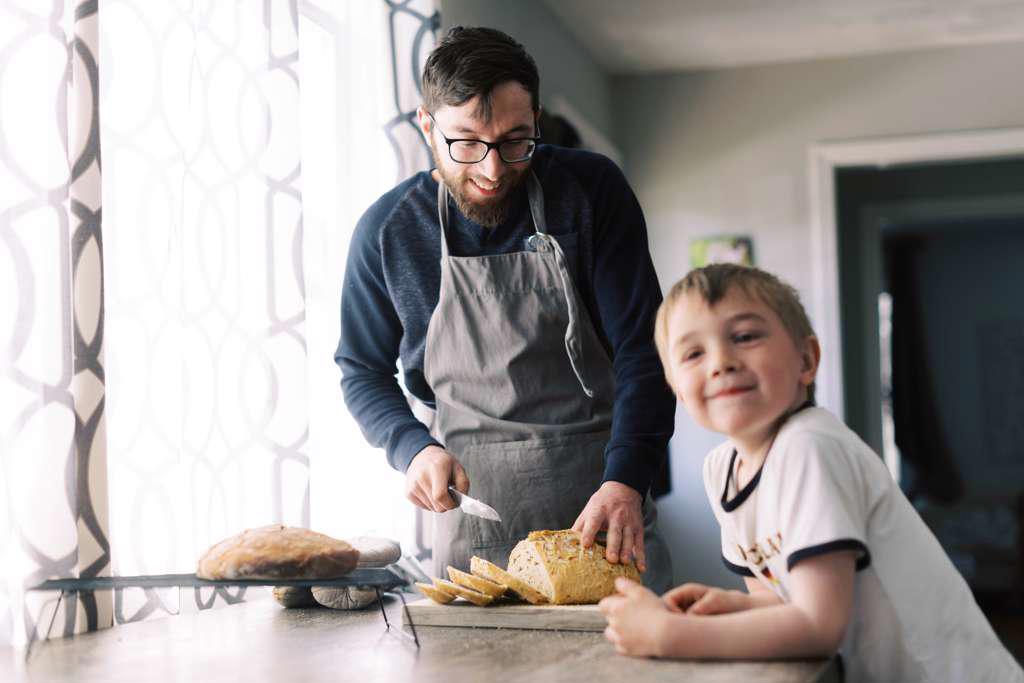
point(426, 612)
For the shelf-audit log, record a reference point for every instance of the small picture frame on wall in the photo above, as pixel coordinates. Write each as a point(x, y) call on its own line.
point(722, 249)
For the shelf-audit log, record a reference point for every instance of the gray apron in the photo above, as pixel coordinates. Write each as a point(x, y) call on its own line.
point(524, 392)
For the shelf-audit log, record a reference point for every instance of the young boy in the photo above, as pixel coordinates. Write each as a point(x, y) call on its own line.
point(833, 555)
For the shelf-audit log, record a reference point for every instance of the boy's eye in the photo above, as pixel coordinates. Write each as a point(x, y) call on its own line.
point(692, 354)
point(743, 337)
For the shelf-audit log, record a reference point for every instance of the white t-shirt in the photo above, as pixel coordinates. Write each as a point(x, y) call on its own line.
point(821, 489)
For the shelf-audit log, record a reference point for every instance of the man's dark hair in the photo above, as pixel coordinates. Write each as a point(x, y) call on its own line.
point(471, 61)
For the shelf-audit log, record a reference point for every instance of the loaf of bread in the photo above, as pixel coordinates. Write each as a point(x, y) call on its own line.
point(487, 570)
point(555, 564)
point(295, 596)
point(373, 552)
point(278, 552)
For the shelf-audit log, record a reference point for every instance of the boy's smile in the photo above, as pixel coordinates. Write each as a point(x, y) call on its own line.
point(736, 368)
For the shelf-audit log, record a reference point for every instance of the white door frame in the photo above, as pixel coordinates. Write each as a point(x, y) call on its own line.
point(824, 159)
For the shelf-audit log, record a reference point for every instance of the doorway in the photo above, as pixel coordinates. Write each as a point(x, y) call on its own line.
point(931, 288)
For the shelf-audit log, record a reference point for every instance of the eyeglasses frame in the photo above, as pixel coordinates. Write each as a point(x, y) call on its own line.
point(490, 145)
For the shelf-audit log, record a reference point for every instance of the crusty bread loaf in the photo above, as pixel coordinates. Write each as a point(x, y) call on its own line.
point(480, 585)
point(556, 564)
point(487, 570)
point(373, 552)
point(344, 597)
point(295, 596)
point(436, 594)
point(473, 596)
point(278, 552)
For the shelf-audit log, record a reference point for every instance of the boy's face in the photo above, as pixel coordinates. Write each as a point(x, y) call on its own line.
point(734, 366)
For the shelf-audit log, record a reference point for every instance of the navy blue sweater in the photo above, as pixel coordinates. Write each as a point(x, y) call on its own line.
point(393, 277)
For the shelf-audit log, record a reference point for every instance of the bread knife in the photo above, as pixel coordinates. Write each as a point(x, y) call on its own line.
point(472, 506)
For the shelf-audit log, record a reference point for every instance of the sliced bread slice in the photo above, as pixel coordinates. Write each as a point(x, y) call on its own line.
point(477, 583)
point(436, 594)
point(473, 596)
point(488, 570)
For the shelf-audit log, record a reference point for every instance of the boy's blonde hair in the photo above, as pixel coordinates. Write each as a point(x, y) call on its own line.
point(712, 282)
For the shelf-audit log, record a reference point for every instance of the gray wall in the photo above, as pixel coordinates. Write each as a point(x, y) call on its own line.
point(566, 68)
point(727, 152)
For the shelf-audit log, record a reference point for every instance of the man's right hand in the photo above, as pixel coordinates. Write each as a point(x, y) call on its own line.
point(428, 477)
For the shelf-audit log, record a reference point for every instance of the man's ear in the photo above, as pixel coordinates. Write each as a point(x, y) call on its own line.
point(810, 358)
point(424, 123)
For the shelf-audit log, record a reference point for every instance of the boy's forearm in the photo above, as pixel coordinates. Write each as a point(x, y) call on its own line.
point(780, 630)
point(763, 598)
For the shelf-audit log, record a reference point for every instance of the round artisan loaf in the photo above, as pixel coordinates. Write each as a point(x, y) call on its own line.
point(278, 552)
point(295, 596)
point(556, 564)
point(373, 552)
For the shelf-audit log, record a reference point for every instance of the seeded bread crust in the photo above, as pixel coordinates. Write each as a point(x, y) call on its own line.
point(278, 552)
point(488, 570)
point(555, 564)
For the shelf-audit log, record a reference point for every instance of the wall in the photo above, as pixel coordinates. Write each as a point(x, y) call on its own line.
point(566, 69)
point(727, 152)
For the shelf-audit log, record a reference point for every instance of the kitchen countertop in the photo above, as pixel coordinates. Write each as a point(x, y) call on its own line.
point(261, 641)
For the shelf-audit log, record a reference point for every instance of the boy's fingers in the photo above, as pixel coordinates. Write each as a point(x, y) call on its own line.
point(609, 604)
point(702, 606)
point(685, 595)
point(627, 587)
point(713, 602)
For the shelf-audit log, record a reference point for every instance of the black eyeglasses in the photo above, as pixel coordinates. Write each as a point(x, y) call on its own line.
point(468, 151)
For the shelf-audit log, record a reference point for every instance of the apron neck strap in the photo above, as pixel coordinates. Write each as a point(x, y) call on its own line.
point(533, 190)
point(536, 195)
point(442, 215)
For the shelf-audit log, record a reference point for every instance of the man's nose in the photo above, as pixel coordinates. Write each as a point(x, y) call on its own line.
point(491, 166)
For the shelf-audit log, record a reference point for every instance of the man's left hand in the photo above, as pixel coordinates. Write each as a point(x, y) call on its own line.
point(615, 507)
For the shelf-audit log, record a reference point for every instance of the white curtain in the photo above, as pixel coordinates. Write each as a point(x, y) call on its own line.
point(168, 325)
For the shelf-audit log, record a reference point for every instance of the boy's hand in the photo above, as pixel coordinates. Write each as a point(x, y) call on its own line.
point(634, 619)
point(696, 598)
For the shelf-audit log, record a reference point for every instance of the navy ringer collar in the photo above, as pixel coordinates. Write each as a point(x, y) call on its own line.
point(741, 497)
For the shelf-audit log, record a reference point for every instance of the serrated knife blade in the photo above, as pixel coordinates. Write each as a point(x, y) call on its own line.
point(472, 506)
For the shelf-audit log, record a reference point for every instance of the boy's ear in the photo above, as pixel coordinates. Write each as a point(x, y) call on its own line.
point(810, 358)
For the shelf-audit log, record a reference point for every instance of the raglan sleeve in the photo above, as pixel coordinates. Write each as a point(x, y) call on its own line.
point(368, 350)
point(627, 296)
point(822, 504)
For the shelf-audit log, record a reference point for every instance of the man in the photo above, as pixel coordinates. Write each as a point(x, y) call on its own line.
point(515, 285)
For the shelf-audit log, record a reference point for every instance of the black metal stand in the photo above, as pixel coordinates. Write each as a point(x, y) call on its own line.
point(408, 617)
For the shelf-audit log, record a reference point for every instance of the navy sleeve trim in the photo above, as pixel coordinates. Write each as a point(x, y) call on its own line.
point(863, 562)
point(737, 569)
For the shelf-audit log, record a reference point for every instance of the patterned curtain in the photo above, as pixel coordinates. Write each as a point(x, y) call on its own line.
point(167, 328)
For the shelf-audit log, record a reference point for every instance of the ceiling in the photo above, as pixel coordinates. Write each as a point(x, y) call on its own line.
point(643, 36)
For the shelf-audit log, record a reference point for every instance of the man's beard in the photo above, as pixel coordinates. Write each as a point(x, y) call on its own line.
point(491, 213)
